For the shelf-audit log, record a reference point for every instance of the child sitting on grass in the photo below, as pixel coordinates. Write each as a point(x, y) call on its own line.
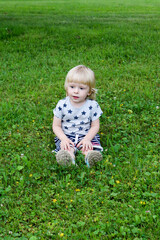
point(76, 119)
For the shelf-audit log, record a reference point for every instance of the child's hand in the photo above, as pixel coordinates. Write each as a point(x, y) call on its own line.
point(65, 144)
point(87, 145)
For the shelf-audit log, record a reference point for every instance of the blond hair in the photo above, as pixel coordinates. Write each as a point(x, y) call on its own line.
point(84, 75)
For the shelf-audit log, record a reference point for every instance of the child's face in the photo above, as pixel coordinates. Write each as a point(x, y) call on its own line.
point(78, 93)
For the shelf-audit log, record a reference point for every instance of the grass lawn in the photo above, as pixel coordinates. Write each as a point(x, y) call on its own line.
point(40, 41)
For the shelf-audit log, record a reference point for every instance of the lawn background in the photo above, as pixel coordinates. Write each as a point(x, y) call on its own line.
point(40, 41)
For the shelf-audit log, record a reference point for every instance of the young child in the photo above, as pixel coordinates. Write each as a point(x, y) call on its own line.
point(76, 119)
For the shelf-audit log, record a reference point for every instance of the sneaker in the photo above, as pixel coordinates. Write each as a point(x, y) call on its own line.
point(64, 158)
point(92, 158)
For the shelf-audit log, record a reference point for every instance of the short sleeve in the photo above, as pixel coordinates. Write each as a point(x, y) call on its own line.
point(96, 111)
point(58, 110)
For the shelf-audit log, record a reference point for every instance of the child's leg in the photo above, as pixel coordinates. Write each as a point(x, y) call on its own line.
point(71, 152)
point(92, 157)
point(65, 157)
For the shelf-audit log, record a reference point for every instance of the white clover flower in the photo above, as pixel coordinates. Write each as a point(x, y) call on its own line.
point(148, 211)
point(157, 107)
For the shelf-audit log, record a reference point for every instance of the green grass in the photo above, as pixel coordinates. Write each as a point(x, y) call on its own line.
point(40, 41)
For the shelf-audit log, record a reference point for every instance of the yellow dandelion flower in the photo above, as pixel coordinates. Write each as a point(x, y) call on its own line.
point(77, 190)
point(117, 182)
point(61, 234)
point(71, 200)
point(143, 203)
point(30, 175)
point(121, 105)
point(33, 121)
point(54, 200)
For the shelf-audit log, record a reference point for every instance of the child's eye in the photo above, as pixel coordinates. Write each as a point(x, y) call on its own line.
point(71, 86)
point(81, 88)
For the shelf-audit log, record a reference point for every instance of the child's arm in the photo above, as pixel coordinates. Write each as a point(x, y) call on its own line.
point(86, 141)
point(57, 129)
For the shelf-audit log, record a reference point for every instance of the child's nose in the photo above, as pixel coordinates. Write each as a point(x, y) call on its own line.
point(76, 89)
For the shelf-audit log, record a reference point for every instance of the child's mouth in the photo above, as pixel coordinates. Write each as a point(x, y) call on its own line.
point(75, 97)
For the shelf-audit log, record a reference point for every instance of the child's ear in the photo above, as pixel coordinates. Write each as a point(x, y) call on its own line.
point(90, 92)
